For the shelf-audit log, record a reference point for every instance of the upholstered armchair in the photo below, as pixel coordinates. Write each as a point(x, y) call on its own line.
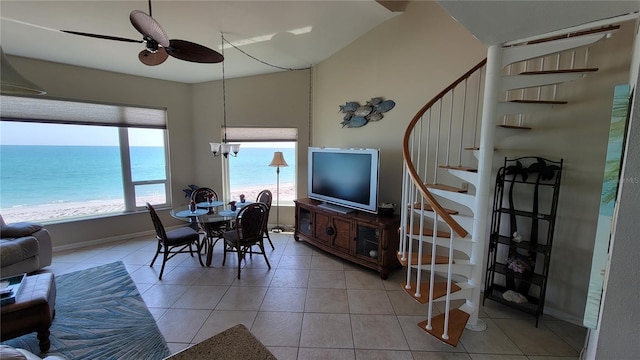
point(25, 247)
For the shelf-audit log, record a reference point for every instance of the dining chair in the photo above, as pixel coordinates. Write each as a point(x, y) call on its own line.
point(266, 197)
point(173, 242)
point(250, 223)
point(200, 194)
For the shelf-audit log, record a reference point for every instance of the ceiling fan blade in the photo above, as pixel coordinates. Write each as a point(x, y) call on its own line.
point(152, 59)
point(148, 27)
point(189, 51)
point(106, 37)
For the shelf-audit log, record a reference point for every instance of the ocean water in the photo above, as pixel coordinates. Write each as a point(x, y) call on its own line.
point(36, 175)
point(251, 167)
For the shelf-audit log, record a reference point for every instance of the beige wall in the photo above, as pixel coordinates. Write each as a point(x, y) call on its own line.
point(409, 59)
point(273, 100)
point(578, 133)
point(74, 82)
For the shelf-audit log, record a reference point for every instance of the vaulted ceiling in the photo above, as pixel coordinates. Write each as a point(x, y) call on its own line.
point(287, 34)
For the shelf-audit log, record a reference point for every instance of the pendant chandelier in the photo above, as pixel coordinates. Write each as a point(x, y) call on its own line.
point(224, 147)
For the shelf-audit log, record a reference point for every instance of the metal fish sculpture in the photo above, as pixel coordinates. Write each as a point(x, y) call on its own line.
point(349, 106)
point(385, 106)
point(347, 116)
point(374, 116)
point(363, 110)
point(357, 121)
point(374, 101)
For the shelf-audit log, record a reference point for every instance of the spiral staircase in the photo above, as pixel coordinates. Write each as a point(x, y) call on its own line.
point(449, 151)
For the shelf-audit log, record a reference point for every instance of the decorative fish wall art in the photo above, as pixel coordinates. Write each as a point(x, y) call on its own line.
point(356, 115)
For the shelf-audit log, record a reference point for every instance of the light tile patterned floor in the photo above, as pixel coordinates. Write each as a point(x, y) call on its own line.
point(312, 305)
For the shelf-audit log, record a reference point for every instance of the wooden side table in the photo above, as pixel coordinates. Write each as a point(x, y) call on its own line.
point(33, 310)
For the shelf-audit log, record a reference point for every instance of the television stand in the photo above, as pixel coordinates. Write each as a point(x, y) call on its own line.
point(362, 238)
point(336, 208)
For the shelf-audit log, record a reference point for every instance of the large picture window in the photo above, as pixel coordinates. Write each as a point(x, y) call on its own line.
point(249, 172)
point(62, 167)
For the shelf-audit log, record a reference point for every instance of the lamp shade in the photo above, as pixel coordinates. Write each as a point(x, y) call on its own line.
point(215, 148)
point(278, 159)
point(13, 83)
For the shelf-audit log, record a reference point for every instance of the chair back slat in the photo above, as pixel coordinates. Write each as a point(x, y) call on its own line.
point(265, 197)
point(157, 224)
point(200, 194)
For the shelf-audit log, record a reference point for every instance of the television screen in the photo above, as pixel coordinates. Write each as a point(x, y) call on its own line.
point(345, 177)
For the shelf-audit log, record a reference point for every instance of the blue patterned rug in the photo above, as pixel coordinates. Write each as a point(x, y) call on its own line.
point(100, 315)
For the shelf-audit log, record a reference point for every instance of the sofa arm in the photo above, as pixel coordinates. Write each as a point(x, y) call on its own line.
point(46, 247)
point(19, 229)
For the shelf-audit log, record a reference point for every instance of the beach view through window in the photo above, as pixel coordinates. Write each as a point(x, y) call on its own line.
point(51, 172)
point(249, 172)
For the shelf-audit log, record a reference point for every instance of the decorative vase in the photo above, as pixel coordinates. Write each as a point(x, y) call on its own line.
point(233, 205)
point(242, 199)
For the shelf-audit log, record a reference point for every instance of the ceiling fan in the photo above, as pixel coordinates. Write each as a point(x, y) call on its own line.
point(158, 46)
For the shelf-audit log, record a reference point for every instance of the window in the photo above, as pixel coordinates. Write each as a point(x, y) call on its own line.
point(249, 172)
point(79, 159)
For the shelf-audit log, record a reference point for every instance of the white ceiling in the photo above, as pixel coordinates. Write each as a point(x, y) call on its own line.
point(497, 22)
point(31, 29)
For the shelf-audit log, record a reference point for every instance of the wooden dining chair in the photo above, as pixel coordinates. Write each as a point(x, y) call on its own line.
point(249, 227)
point(266, 197)
point(173, 242)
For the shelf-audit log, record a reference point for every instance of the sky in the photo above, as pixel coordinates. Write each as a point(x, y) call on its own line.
point(22, 133)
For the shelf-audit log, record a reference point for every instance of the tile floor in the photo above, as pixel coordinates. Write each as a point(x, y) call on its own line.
point(312, 305)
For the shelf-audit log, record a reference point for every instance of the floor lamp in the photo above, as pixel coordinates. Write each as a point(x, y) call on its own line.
point(278, 160)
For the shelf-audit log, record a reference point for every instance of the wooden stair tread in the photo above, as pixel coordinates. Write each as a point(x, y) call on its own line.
point(428, 207)
point(428, 231)
point(445, 188)
point(457, 322)
point(559, 71)
point(463, 168)
point(426, 259)
point(514, 127)
point(439, 290)
point(552, 102)
point(579, 33)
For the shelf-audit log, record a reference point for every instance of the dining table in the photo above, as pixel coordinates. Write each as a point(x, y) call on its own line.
point(212, 217)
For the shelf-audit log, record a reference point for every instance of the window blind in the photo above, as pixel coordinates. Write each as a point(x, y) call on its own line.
point(59, 111)
point(255, 134)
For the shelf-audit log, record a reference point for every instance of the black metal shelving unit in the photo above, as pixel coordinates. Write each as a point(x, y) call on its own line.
point(522, 184)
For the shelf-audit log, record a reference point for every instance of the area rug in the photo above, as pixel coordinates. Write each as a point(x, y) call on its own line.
point(100, 315)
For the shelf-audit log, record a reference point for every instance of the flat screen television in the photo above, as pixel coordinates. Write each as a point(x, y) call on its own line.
point(347, 178)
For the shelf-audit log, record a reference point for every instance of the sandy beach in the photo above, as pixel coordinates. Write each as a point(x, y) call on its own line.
point(49, 212)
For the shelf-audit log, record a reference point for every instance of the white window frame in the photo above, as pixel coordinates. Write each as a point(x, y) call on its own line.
point(52, 110)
